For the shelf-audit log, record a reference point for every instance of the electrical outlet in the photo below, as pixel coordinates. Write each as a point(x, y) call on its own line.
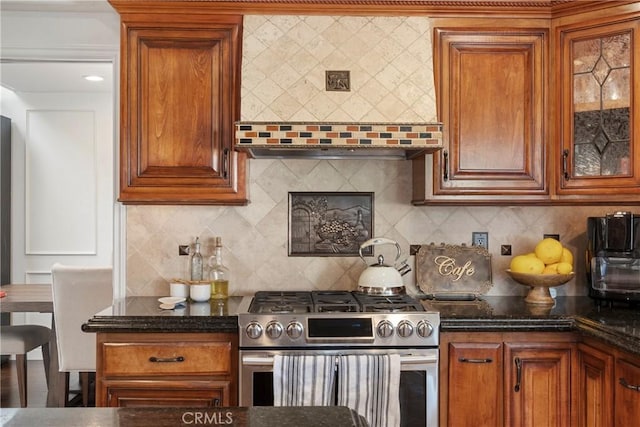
point(480, 238)
point(183, 249)
point(553, 236)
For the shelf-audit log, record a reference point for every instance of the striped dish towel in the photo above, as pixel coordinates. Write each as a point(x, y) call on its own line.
point(301, 380)
point(370, 385)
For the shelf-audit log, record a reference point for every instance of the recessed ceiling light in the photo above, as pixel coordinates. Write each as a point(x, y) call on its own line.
point(94, 78)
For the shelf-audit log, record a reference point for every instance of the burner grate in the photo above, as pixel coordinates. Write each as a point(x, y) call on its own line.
point(388, 303)
point(281, 302)
point(334, 302)
point(331, 302)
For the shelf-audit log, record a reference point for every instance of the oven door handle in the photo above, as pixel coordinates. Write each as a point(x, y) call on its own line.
point(409, 359)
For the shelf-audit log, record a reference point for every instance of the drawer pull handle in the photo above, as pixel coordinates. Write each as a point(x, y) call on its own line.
point(465, 360)
point(518, 363)
point(625, 384)
point(216, 402)
point(166, 359)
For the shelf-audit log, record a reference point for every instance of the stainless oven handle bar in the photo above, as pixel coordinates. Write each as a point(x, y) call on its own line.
point(404, 359)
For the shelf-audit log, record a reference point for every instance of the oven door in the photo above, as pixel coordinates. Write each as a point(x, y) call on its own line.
point(418, 381)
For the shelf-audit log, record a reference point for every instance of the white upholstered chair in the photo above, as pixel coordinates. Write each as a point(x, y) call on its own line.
point(19, 340)
point(78, 294)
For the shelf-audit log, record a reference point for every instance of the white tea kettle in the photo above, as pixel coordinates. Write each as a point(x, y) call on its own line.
point(380, 278)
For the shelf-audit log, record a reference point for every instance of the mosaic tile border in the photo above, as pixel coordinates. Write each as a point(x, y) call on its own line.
point(351, 135)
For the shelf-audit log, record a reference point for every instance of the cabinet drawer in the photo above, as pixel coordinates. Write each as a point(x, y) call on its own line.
point(174, 394)
point(202, 358)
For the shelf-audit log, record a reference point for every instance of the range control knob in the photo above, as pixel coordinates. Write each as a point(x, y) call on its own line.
point(424, 329)
point(274, 329)
point(254, 330)
point(405, 328)
point(294, 330)
point(385, 329)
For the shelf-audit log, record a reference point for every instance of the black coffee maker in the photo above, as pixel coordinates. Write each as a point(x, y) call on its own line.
point(613, 257)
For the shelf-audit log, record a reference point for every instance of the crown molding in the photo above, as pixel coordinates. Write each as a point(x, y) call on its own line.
point(435, 8)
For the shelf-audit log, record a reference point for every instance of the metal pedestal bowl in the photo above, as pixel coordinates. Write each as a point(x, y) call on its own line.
point(540, 284)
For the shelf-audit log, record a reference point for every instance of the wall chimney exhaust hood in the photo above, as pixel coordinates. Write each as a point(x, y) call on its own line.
point(292, 106)
point(389, 141)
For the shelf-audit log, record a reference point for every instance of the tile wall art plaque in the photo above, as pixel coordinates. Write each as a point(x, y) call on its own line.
point(330, 224)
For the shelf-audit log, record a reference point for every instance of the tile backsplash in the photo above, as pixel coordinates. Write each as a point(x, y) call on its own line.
point(255, 236)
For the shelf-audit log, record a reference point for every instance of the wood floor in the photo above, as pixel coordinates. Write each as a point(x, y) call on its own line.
point(36, 385)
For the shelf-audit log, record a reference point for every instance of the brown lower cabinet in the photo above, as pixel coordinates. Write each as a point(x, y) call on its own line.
point(512, 379)
point(609, 386)
point(536, 379)
point(166, 369)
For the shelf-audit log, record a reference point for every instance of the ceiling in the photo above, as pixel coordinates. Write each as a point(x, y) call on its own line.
point(56, 5)
point(55, 76)
point(49, 76)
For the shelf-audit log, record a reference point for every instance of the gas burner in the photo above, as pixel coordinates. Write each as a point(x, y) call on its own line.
point(336, 300)
point(389, 308)
point(336, 309)
point(388, 303)
point(281, 309)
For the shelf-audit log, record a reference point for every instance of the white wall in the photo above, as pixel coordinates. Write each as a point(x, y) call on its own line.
point(53, 35)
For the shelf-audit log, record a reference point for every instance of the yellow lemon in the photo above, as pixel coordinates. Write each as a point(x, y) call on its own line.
point(567, 256)
point(549, 250)
point(564, 268)
point(526, 264)
point(550, 269)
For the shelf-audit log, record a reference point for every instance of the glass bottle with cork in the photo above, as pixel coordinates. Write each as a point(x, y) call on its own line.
point(196, 262)
point(218, 274)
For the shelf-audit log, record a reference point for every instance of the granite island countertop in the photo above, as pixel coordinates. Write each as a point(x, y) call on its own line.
point(262, 416)
point(619, 325)
point(143, 314)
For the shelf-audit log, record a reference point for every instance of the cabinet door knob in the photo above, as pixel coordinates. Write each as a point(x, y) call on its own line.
point(225, 163)
point(445, 165)
point(518, 363)
point(565, 161)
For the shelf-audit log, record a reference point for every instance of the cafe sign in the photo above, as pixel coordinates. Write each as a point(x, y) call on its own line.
point(453, 271)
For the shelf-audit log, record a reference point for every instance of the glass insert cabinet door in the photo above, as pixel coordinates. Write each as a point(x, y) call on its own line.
point(599, 77)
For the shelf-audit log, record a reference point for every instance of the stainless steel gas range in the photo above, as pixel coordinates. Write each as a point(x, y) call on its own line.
point(341, 323)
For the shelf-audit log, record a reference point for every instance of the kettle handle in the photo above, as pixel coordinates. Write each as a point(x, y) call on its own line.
point(380, 241)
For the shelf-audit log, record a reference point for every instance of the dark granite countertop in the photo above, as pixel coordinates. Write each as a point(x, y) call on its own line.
point(334, 416)
point(618, 325)
point(143, 314)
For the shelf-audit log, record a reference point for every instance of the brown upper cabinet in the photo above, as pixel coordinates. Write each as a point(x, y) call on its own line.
point(524, 122)
point(537, 111)
point(491, 91)
point(180, 80)
point(598, 120)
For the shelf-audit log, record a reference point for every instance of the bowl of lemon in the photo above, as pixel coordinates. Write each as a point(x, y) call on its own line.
point(549, 265)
